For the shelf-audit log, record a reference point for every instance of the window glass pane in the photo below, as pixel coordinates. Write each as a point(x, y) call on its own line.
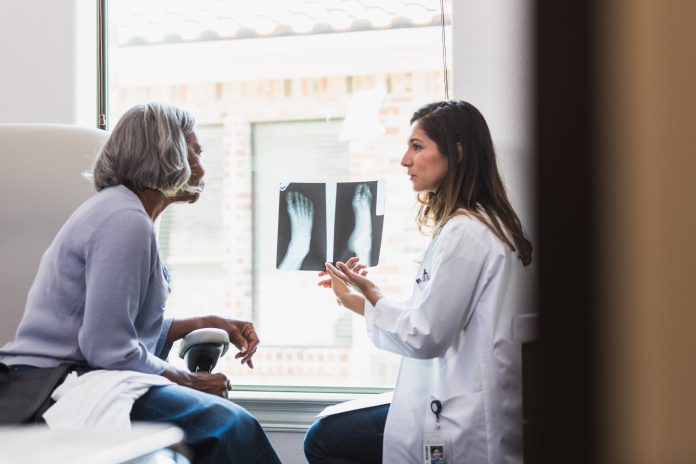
point(193, 240)
point(283, 91)
point(285, 151)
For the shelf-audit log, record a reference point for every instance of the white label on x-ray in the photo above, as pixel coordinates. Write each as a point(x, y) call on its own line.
point(330, 219)
point(379, 203)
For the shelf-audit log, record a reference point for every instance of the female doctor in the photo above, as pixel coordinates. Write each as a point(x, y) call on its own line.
point(459, 385)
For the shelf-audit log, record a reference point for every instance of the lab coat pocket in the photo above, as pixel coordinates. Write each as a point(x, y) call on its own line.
point(462, 419)
point(401, 436)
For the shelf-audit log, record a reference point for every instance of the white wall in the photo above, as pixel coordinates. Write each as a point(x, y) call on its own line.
point(48, 56)
point(492, 69)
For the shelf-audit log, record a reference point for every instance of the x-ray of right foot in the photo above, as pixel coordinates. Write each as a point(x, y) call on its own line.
point(301, 213)
point(360, 240)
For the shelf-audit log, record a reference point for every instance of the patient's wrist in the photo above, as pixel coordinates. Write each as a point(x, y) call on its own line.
point(211, 322)
point(177, 376)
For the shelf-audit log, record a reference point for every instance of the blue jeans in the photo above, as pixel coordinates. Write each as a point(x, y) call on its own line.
point(347, 438)
point(216, 429)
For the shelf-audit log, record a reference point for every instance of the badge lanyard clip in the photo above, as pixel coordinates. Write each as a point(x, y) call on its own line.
point(436, 408)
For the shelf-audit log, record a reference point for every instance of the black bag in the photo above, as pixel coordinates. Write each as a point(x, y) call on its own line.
point(26, 394)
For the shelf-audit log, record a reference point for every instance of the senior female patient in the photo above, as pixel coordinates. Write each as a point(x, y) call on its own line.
point(458, 394)
point(100, 291)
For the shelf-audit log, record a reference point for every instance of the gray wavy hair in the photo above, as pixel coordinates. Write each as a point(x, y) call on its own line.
point(147, 149)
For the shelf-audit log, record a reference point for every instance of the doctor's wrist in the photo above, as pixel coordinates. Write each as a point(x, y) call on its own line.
point(373, 295)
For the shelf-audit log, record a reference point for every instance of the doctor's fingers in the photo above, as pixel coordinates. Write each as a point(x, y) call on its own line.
point(356, 266)
point(360, 270)
point(335, 273)
point(355, 279)
point(326, 283)
point(338, 284)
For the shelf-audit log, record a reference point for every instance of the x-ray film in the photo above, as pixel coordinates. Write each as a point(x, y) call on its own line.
point(320, 222)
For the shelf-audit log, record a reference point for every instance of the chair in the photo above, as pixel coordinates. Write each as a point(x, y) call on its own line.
point(41, 186)
point(202, 348)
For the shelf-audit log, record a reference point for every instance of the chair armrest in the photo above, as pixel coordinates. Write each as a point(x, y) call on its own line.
point(203, 347)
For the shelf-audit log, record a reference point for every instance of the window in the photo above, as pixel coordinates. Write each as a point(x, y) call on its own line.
point(282, 91)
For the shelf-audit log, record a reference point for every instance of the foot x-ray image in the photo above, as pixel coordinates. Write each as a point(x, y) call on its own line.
point(302, 227)
point(357, 229)
point(309, 234)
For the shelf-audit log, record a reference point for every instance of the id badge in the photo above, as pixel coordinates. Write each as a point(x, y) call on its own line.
point(437, 448)
point(437, 445)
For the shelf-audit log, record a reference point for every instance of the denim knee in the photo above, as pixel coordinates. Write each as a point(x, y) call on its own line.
point(312, 442)
point(228, 417)
point(217, 430)
point(237, 434)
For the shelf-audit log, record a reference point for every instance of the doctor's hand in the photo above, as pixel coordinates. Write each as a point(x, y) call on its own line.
point(348, 284)
point(346, 294)
point(353, 263)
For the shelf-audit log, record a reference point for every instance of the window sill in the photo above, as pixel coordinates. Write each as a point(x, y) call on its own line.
point(288, 411)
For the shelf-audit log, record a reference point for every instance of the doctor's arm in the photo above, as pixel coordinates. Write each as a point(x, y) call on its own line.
point(426, 330)
point(426, 327)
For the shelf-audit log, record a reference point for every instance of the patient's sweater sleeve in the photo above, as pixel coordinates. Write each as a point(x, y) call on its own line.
point(120, 259)
point(163, 346)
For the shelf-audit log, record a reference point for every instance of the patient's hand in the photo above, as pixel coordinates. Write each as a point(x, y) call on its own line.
point(215, 384)
point(242, 335)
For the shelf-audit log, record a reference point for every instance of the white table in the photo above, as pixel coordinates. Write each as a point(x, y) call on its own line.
point(34, 444)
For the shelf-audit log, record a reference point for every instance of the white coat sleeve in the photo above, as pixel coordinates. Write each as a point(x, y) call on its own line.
point(427, 330)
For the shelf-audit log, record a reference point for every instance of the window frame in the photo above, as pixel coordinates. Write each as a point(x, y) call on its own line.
point(273, 398)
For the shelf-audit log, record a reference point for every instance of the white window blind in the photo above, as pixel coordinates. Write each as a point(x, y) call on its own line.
point(306, 151)
point(192, 239)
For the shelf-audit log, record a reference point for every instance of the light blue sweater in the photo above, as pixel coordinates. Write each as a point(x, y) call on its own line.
point(99, 294)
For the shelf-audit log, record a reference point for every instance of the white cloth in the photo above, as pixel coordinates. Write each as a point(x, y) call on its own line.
point(456, 336)
point(98, 399)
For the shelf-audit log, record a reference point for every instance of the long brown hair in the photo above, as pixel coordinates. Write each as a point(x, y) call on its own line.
point(472, 181)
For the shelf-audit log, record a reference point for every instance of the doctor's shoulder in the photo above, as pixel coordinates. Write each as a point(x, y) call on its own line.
point(466, 232)
point(461, 235)
point(465, 225)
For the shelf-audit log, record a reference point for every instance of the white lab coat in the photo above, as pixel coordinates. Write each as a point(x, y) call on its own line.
point(456, 335)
